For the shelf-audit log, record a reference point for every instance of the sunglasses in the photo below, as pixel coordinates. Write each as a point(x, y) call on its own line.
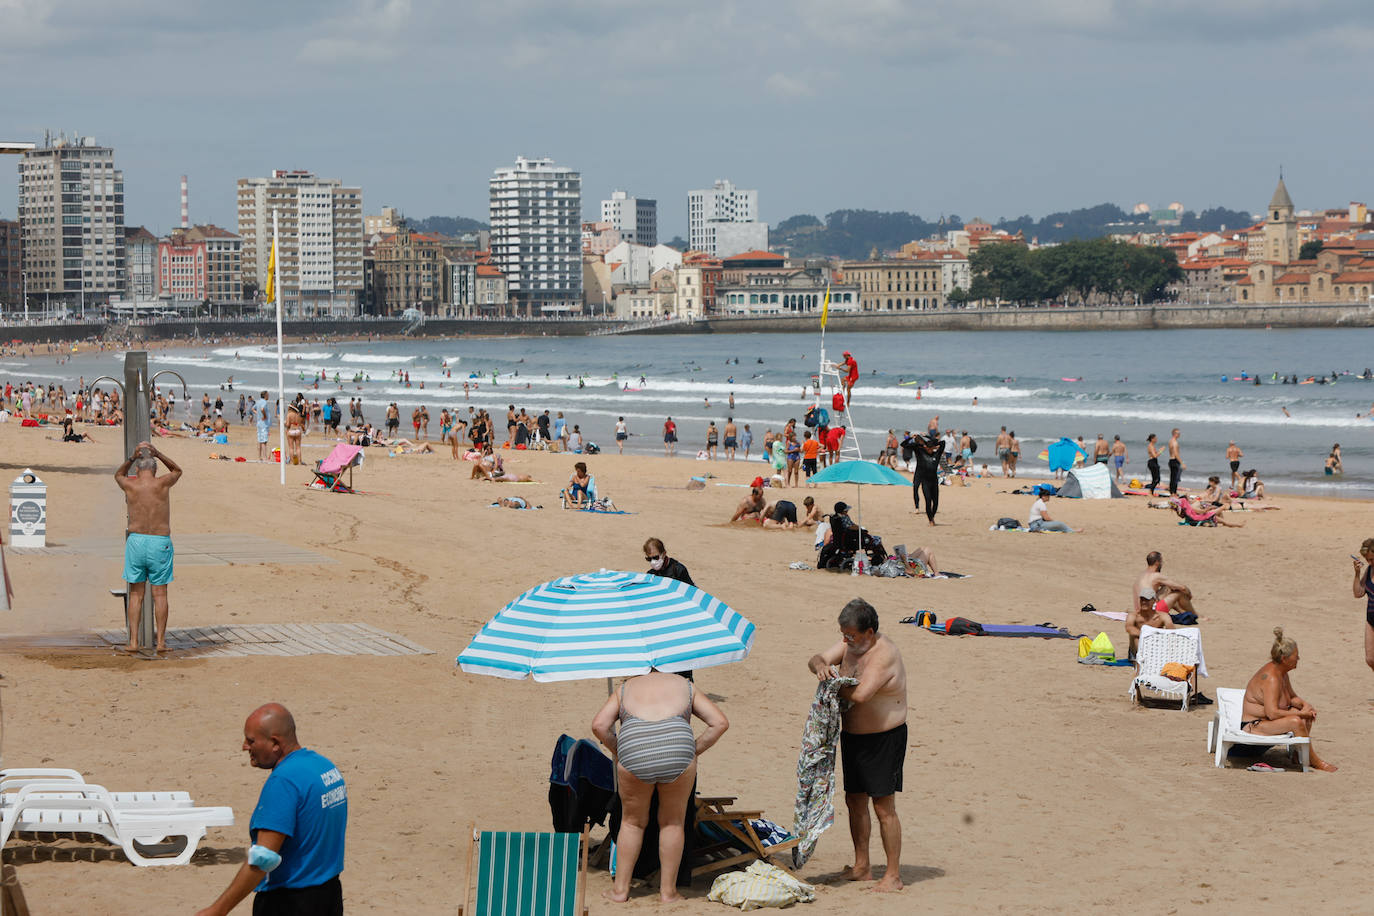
point(649, 559)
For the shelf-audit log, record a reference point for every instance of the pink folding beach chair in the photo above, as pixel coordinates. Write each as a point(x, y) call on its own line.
point(1186, 511)
point(329, 471)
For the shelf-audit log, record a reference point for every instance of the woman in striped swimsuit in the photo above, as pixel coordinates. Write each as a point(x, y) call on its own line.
point(1364, 588)
point(655, 749)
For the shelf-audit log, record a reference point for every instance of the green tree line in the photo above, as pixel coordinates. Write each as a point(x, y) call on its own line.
point(1074, 272)
point(852, 234)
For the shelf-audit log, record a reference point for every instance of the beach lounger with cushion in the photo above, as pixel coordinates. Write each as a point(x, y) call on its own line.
point(1158, 648)
point(526, 874)
point(1224, 730)
point(144, 833)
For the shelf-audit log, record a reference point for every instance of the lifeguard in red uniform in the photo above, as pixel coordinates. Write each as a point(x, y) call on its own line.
point(852, 366)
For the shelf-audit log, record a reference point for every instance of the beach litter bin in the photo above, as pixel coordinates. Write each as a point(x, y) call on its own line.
point(28, 511)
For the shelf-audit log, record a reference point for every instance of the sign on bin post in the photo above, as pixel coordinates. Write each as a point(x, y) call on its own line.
point(28, 511)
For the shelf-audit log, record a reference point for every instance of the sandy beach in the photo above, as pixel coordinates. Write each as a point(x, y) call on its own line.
point(1032, 784)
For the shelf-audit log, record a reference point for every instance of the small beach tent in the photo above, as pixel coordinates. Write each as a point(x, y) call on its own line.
point(1062, 453)
point(1091, 482)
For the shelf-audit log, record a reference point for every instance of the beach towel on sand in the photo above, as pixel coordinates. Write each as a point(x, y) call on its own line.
point(961, 628)
point(760, 885)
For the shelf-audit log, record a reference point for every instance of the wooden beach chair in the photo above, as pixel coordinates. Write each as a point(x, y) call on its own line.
point(526, 874)
point(1224, 730)
point(734, 824)
point(330, 470)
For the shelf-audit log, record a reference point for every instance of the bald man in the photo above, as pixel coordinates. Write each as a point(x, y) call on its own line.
point(297, 829)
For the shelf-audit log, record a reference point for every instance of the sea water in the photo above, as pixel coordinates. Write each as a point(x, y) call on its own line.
point(1042, 385)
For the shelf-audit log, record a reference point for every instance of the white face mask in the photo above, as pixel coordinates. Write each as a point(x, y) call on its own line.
point(658, 563)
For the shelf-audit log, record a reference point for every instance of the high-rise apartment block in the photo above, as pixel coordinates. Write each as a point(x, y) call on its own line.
point(536, 236)
point(201, 263)
point(71, 216)
point(723, 221)
point(320, 246)
point(11, 266)
point(635, 218)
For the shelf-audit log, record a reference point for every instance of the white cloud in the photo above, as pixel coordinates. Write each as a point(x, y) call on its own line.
point(369, 33)
point(789, 87)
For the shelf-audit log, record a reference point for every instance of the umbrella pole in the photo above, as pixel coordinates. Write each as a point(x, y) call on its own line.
point(859, 511)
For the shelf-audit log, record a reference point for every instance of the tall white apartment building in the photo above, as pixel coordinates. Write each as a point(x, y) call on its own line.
point(635, 218)
point(320, 245)
point(723, 221)
point(536, 236)
point(71, 216)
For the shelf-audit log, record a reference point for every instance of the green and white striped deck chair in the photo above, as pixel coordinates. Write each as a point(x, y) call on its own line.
point(526, 874)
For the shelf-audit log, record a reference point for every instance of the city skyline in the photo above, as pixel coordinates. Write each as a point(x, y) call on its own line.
point(1025, 107)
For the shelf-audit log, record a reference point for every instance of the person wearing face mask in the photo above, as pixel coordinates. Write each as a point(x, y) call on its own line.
point(660, 564)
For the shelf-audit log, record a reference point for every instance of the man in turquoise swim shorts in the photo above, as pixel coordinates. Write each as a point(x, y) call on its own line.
point(148, 548)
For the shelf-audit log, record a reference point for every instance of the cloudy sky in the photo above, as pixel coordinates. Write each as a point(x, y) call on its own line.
point(983, 108)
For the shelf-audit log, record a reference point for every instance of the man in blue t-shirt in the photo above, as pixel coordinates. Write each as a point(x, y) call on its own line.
point(297, 828)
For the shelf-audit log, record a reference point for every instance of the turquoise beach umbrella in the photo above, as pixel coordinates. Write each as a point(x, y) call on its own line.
point(861, 473)
point(608, 624)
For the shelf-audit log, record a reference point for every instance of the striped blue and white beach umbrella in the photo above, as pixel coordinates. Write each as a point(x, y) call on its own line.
point(608, 624)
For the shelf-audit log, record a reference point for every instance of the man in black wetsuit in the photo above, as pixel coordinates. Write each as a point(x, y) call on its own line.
point(928, 453)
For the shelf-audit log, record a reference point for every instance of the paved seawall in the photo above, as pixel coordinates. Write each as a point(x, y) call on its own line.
point(1307, 315)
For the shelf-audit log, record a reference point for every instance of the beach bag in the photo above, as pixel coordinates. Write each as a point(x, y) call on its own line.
point(1085, 647)
point(891, 568)
point(926, 619)
point(837, 402)
point(592, 449)
point(1005, 523)
point(809, 418)
point(972, 445)
point(962, 626)
point(822, 416)
point(1102, 647)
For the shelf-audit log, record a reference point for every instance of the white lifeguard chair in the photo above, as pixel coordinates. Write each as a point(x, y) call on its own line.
point(830, 380)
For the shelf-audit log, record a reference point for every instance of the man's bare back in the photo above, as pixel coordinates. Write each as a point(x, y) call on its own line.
point(148, 496)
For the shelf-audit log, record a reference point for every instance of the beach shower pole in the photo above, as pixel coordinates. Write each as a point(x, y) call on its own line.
point(138, 428)
point(138, 390)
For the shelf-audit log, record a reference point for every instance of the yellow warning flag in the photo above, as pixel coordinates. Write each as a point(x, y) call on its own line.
point(272, 274)
point(825, 306)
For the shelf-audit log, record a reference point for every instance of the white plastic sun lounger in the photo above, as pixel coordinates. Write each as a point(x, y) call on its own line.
point(64, 806)
point(12, 779)
point(1224, 730)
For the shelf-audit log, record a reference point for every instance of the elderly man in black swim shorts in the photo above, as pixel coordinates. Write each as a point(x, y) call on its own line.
point(873, 738)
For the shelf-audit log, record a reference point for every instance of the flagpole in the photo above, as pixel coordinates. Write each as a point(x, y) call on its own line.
point(281, 381)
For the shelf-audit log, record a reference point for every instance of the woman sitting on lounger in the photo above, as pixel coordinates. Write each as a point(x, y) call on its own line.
point(579, 485)
point(1271, 706)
